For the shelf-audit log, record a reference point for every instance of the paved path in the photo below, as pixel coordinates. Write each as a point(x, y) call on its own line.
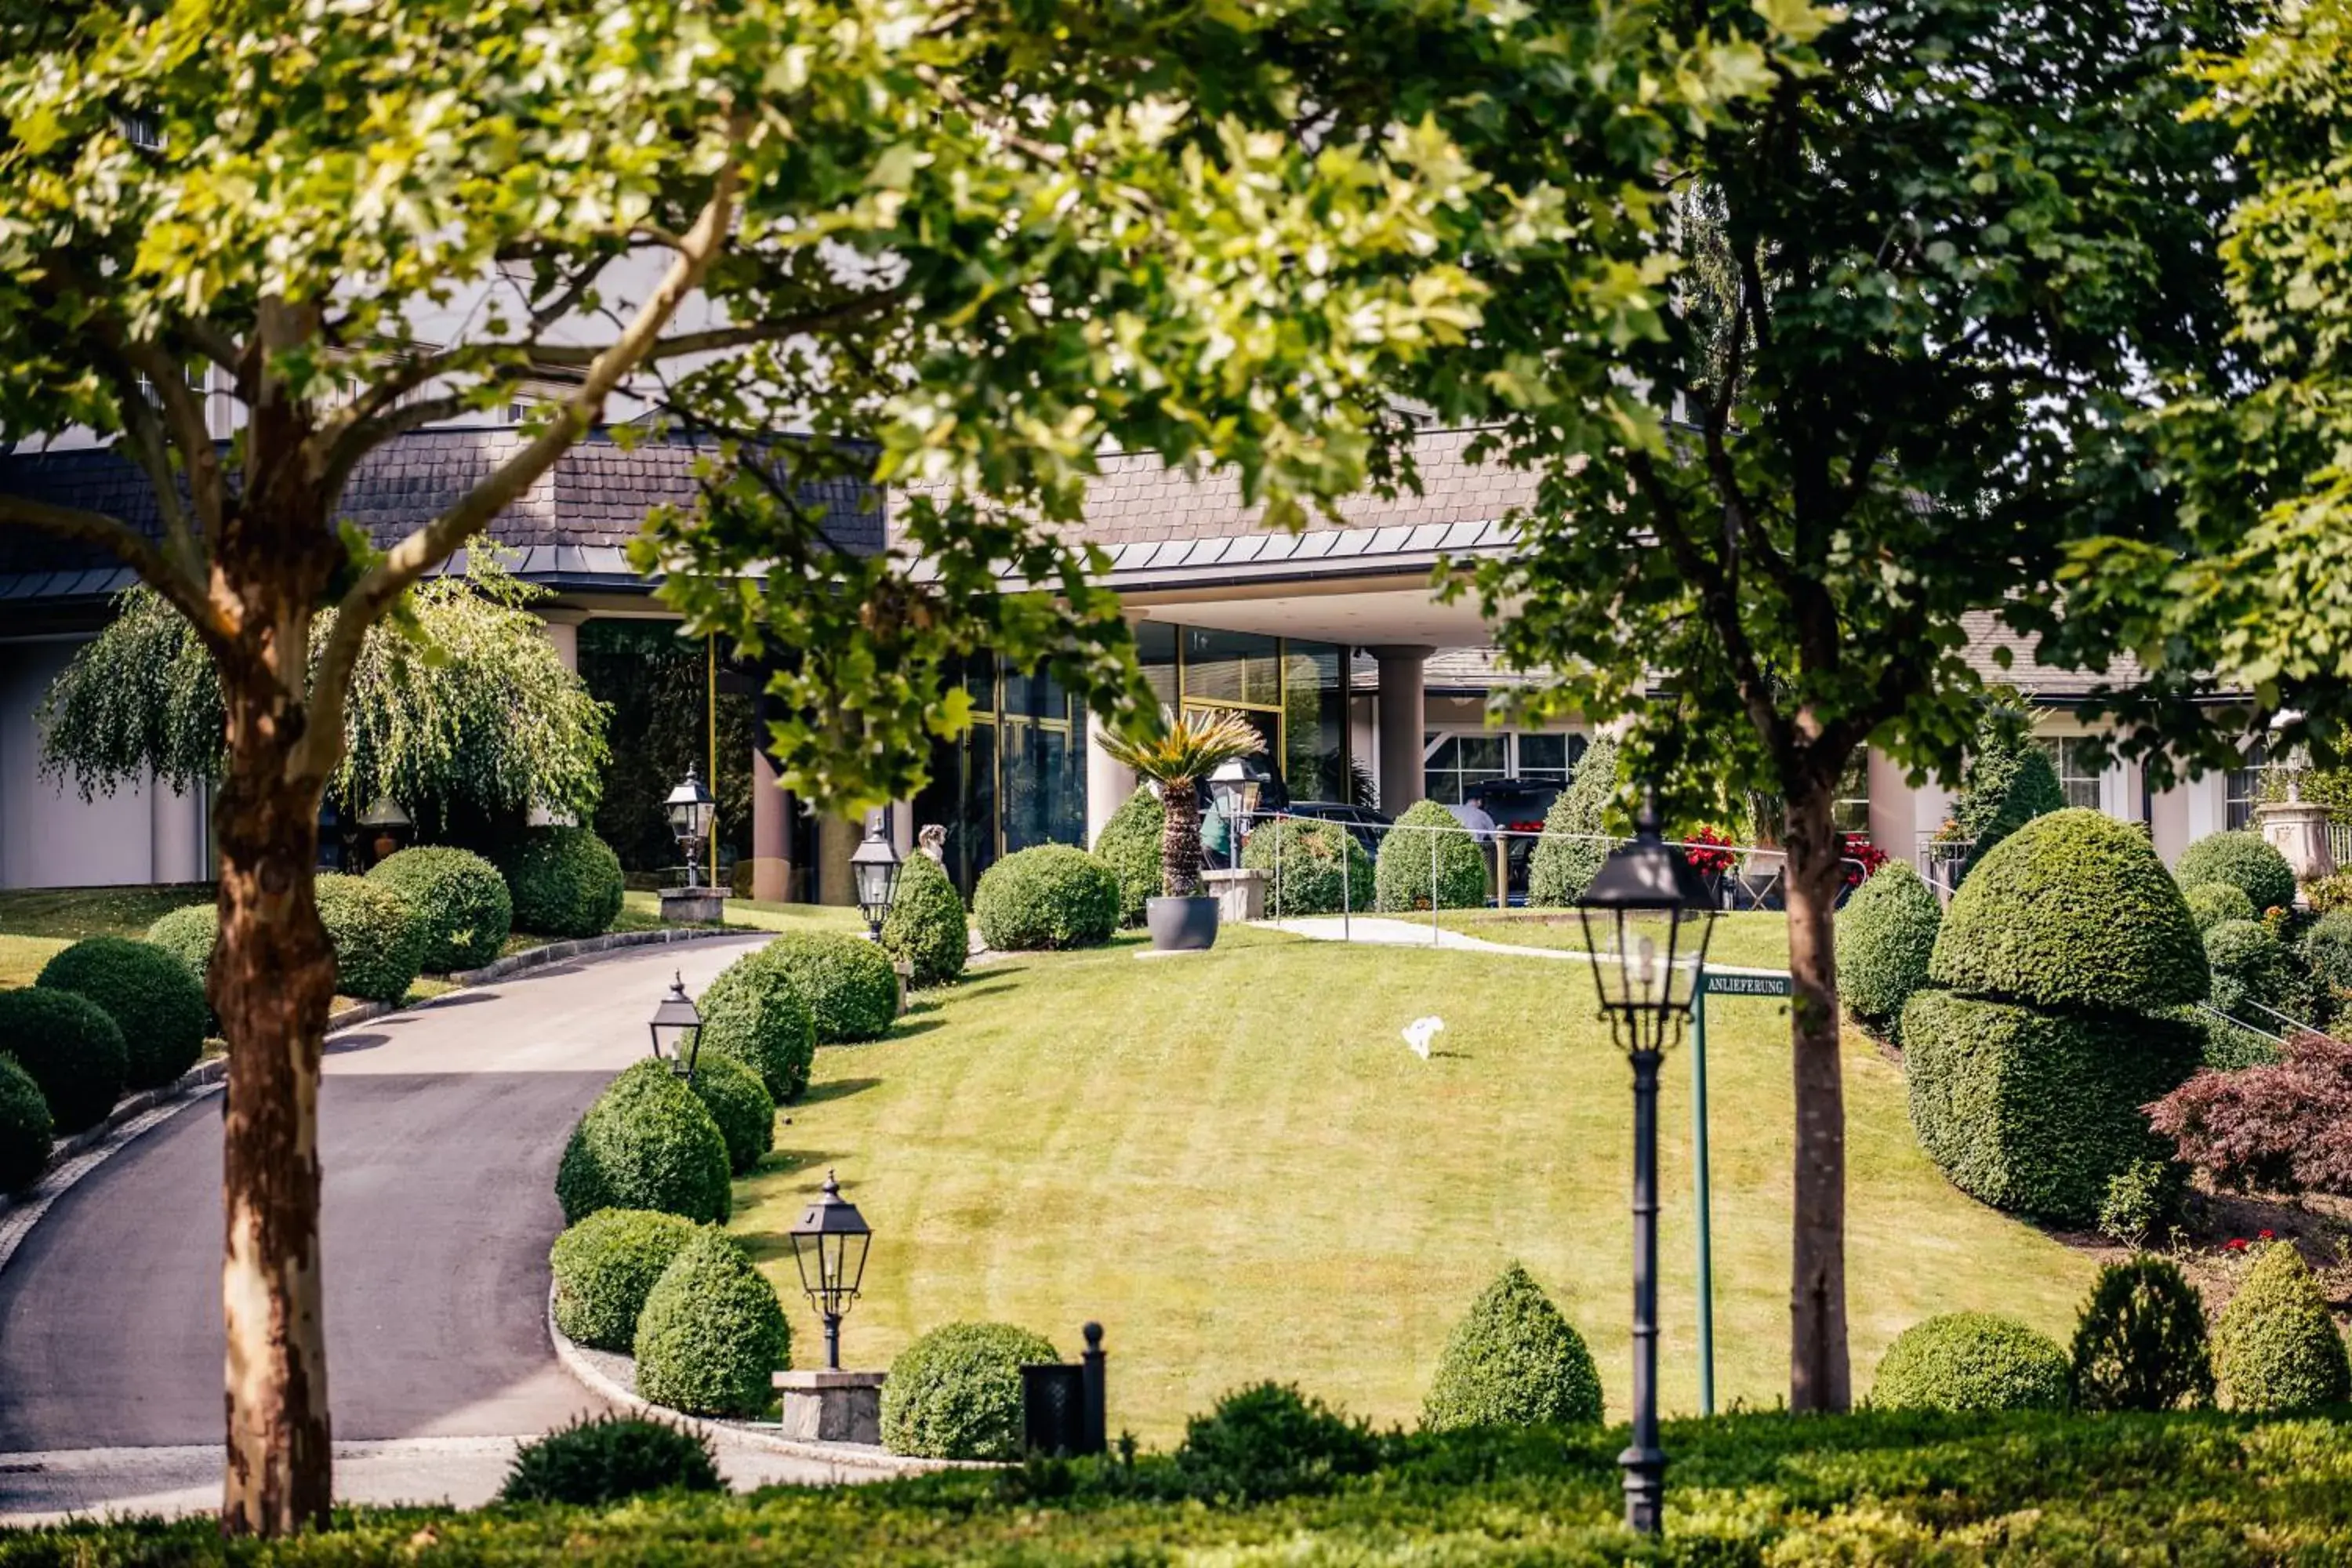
point(1391, 930)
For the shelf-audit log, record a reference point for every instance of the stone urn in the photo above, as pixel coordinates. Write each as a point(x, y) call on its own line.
point(1182, 925)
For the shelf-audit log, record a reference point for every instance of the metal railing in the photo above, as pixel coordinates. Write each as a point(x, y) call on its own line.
point(2340, 842)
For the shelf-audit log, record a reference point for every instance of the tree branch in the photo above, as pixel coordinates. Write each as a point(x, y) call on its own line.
point(128, 545)
point(568, 356)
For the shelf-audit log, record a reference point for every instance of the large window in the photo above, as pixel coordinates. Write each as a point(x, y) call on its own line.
point(2245, 786)
point(1016, 777)
point(2076, 760)
point(1849, 811)
point(1454, 763)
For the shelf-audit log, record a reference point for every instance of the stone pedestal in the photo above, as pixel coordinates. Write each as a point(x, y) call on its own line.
point(2298, 830)
point(832, 1406)
point(1240, 894)
point(693, 906)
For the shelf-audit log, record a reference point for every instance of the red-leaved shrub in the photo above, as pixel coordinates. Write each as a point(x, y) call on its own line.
point(2285, 1126)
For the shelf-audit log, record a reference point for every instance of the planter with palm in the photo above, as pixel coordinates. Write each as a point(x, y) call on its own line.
point(1185, 749)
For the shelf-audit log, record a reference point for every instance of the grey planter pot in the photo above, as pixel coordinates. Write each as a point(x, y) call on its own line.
point(1182, 925)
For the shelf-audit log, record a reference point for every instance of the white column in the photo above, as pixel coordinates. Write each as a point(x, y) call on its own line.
point(562, 629)
point(1108, 783)
point(176, 825)
point(2115, 792)
point(2208, 805)
point(1403, 716)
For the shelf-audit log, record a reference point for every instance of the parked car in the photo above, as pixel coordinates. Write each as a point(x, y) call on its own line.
point(1365, 825)
point(1519, 807)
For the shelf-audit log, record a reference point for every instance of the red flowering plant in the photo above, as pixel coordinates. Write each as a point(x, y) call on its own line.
point(1861, 858)
point(1708, 849)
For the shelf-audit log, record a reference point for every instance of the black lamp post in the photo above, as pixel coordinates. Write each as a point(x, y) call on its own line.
point(874, 867)
point(676, 1023)
point(1637, 914)
point(691, 810)
point(829, 1245)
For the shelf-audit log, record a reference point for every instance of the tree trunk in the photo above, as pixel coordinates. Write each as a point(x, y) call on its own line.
point(1819, 1376)
point(1180, 840)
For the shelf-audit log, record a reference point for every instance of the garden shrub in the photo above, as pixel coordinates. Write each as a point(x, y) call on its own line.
point(1402, 878)
point(2330, 894)
point(740, 1103)
point(2143, 1201)
point(851, 989)
point(2327, 956)
point(69, 1047)
point(754, 1013)
point(1047, 895)
point(2025, 788)
point(599, 1459)
point(379, 942)
point(1885, 935)
point(1312, 867)
point(1129, 844)
point(2140, 1343)
point(189, 935)
point(149, 995)
point(2211, 903)
point(1513, 1362)
point(1972, 1361)
point(25, 1133)
point(459, 897)
point(606, 1266)
point(955, 1393)
point(565, 882)
point(2245, 860)
point(1270, 1441)
point(2281, 1127)
point(925, 929)
point(1562, 867)
point(2276, 1348)
point(712, 1333)
point(2250, 971)
point(647, 1143)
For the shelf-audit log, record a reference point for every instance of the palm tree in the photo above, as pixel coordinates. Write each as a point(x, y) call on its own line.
point(1187, 748)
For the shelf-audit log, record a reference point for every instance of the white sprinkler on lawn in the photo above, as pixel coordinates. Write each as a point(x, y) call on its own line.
point(1420, 1031)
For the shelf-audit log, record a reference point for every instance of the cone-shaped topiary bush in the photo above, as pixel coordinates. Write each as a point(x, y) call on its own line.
point(2276, 1348)
point(2005, 790)
point(189, 935)
point(565, 882)
point(1513, 1362)
point(459, 897)
point(754, 1013)
point(955, 1393)
point(149, 995)
point(1972, 1361)
point(2247, 861)
point(69, 1047)
point(2140, 1343)
point(1129, 845)
point(741, 1104)
point(1312, 867)
point(379, 942)
point(599, 1459)
point(2211, 903)
point(847, 981)
point(1046, 896)
point(1427, 838)
point(25, 1131)
point(647, 1143)
point(1885, 935)
point(925, 929)
point(711, 1335)
point(606, 1266)
point(1568, 855)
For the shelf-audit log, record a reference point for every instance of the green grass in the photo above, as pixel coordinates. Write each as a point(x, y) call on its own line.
point(68, 914)
point(1753, 939)
point(1234, 1162)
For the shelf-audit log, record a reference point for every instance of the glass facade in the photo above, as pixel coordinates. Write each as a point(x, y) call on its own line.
point(1454, 762)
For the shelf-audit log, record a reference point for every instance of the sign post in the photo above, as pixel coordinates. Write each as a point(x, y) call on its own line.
point(1714, 981)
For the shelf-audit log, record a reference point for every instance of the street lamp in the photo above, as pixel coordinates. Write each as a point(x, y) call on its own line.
point(875, 868)
point(690, 809)
point(384, 825)
point(1644, 891)
point(829, 1245)
point(677, 1022)
point(1236, 788)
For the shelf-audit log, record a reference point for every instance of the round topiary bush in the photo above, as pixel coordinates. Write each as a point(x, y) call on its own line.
point(1570, 853)
point(460, 899)
point(2250, 971)
point(851, 989)
point(565, 882)
point(601, 1459)
point(925, 929)
point(148, 993)
point(1047, 895)
point(955, 1393)
point(189, 935)
point(1129, 845)
point(711, 1335)
point(606, 1266)
point(1428, 835)
point(2327, 954)
point(2140, 1343)
point(2211, 903)
point(741, 1106)
point(2247, 861)
point(1269, 1441)
point(379, 942)
point(1972, 1361)
point(2276, 1349)
point(1312, 867)
point(1885, 935)
point(69, 1047)
point(2072, 909)
point(25, 1133)
point(755, 1013)
point(1513, 1362)
point(647, 1143)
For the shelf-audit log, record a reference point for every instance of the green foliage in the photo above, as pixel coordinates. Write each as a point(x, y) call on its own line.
point(850, 988)
point(599, 1459)
point(740, 1103)
point(188, 934)
point(647, 1143)
point(1312, 867)
point(955, 1393)
point(69, 1047)
point(1513, 1362)
point(1270, 1441)
point(1129, 845)
point(925, 928)
point(2037, 1112)
point(565, 882)
point(2327, 955)
point(2008, 784)
point(1885, 936)
point(605, 1265)
point(25, 1133)
point(2276, 1347)
point(148, 993)
point(2249, 971)
point(1403, 876)
point(2330, 895)
point(654, 684)
point(2074, 909)
point(1972, 1361)
point(1563, 867)
point(2211, 903)
point(2140, 1343)
point(461, 899)
point(1047, 895)
point(2143, 1201)
point(754, 1013)
point(711, 1333)
point(379, 939)
point(2247, 861)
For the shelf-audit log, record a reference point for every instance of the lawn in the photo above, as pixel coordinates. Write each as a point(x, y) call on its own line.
point(1753, 939)
point(1237, 1165)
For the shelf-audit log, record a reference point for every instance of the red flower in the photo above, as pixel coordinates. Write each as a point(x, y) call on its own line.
point(2265, 1236)
point(1863, 859)
point(2236, 1244)
point(1708, 851)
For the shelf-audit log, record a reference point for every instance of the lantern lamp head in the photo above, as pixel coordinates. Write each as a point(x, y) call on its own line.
point(1647, 918)
point(386, 814)
point(679, 1025)
point(875, 869)
point(829, 1248)
point(690, 808)
point(1237, 786)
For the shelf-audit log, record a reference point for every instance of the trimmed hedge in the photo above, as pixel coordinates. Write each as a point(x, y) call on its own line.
point(1403, 878)
point(647, 1143)
point(2245, 860)
point(25, 1133)
point(379, 942)
point(925, 928)
point(2276, 1349)
point(189, 934)
point(1271, 1441)
point(711, 1333)
point(565, 882)
point(1129, 844)
point(955, 1393)
point(2249, 966)
point(1972, 1361)
point(2211, 903)
point(2006, 789)
point(599, 1459)
point(851, 989)
point(2033, 1111)
point(754, 1013)
point(69, 1047)
point(2141, 1342)
point(740, 1103)
point(149, 995)
point(2327, 955)
point(1885, 936)
point(1323, 868)
point(1047, 895)
point(1513, 1362)
point(459, 897)
point(1561, 867)
point(2072, 909)
point(606, 1266)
